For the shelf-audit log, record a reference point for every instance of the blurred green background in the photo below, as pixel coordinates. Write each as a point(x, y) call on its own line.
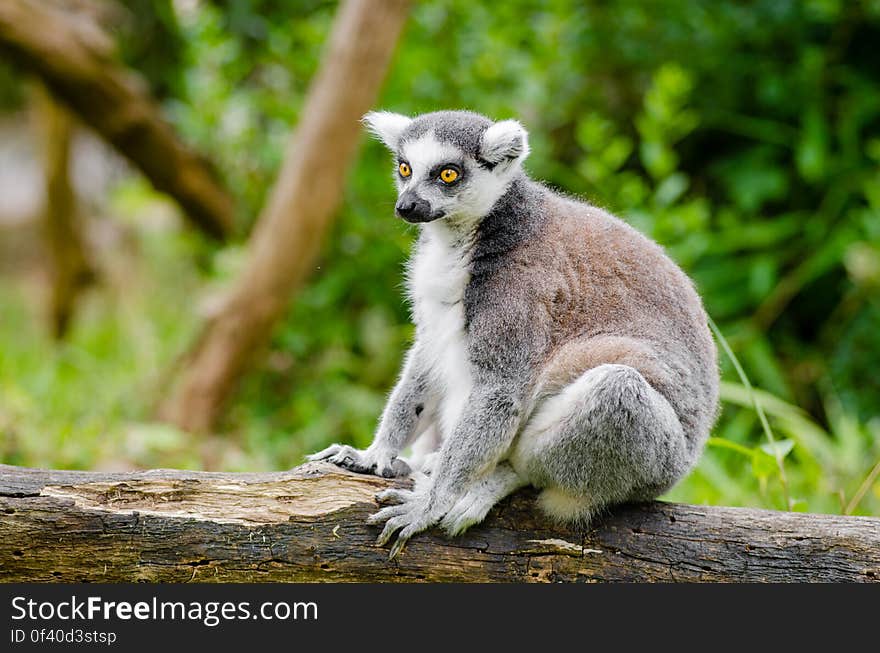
point(742, 136)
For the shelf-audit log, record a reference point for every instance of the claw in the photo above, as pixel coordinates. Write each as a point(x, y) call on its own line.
point(391, 527)
point(408, 531)
point(398, 547)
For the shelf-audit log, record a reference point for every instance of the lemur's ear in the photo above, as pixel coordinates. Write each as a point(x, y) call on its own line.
point(505, 141)
point(386, 126)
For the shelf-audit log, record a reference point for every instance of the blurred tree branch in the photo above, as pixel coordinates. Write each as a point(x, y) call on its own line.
point(73, 56)
point(68, 264)
point(290, 229)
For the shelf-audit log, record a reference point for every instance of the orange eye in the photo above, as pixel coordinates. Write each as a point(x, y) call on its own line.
point(448, 175)
point(404, 169)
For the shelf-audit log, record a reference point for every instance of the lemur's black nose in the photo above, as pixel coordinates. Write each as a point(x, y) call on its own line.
point(405, 207)
point(413, 209)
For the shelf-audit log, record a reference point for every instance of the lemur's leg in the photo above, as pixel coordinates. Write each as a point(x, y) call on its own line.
point(606, 437)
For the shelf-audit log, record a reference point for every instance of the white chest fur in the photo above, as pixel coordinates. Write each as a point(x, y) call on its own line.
point(438, 276)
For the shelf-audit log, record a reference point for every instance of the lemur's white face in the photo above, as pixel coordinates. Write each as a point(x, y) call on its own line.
point(436, 179)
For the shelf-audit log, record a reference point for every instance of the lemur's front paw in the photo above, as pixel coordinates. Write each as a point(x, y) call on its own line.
point(413, 514)
point(368, 461)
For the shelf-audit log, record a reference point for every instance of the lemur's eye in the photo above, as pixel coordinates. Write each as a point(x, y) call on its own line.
point(448, 175)
point(404, 169)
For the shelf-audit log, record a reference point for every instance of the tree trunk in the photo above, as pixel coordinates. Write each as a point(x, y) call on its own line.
point(69, 270)
point(308, 525)
point(289, 232)
point(74, 59)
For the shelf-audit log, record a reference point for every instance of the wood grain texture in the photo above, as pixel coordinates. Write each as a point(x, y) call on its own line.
point(307, 525)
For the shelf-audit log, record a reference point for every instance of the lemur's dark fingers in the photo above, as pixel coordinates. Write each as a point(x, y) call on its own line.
point(350, 458)
point(394, 495)
point(353, 463)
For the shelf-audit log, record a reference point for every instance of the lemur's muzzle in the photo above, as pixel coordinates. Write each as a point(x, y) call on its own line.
point(415, 209)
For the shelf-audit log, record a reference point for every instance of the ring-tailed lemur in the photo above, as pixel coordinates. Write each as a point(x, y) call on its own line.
point(555, 345)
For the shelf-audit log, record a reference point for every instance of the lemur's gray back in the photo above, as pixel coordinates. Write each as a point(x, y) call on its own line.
point(584, 274)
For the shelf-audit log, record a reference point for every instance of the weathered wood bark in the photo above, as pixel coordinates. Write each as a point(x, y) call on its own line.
point(289, 232)
point(74, 59)
point(67, 262)
point(308, 524)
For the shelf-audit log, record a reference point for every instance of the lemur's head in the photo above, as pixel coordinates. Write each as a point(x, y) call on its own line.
point(450, 164)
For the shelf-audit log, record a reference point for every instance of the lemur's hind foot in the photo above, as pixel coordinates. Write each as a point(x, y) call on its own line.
point(606, 438)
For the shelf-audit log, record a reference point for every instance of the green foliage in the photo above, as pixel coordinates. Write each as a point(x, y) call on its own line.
point(149, 39)
point(744, 137)
point(84, 403)
point(11, 92)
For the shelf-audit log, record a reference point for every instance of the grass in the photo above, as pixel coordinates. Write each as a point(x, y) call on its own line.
point(778, 451)
point(831, 470)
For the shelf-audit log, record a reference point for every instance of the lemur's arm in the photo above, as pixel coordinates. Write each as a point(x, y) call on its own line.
point(479, 441)
point(399, 425)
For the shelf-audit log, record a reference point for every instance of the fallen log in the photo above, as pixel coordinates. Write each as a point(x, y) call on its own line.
point(308, 525)
point(73, 57)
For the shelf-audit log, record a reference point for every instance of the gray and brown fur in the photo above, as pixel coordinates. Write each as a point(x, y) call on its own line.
point(593, 373)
